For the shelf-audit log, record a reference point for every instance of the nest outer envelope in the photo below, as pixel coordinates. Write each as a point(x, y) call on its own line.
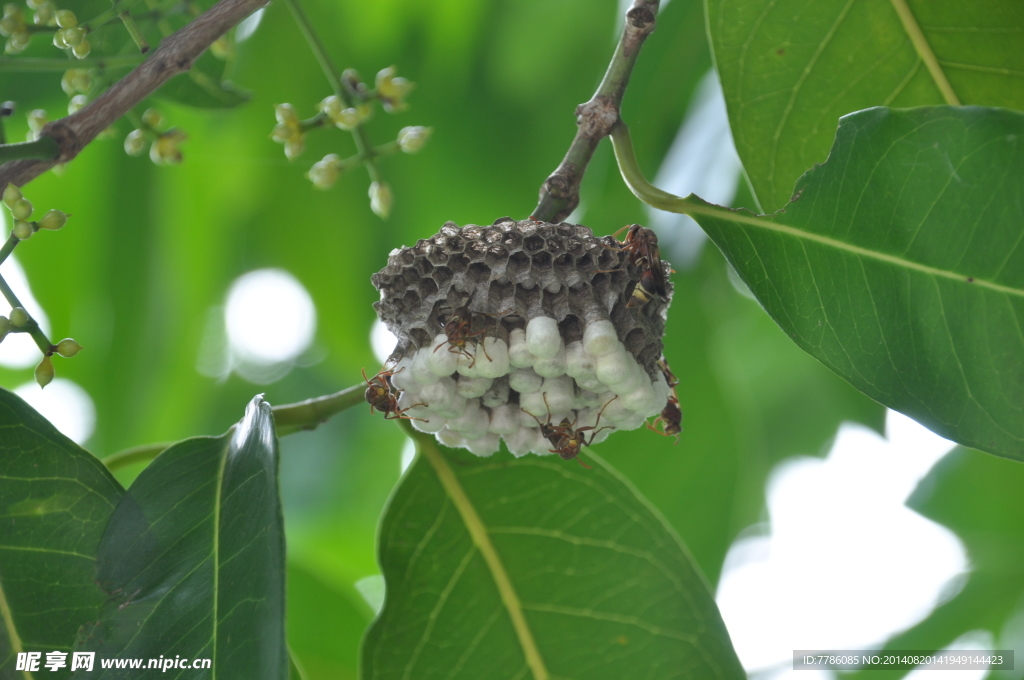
point(516, 271)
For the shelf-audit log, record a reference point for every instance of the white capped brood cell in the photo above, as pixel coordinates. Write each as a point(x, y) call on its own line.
point(507, 331)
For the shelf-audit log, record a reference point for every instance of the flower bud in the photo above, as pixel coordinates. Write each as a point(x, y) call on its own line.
point(392, 89)
point(19, 317)
point(73, 36)
point(9, 25)
point(53, 220)
point(412, 139)
point(348, 119)
point(324, 173)
point(286, 115)
point(12, 9)
point(164, 150)
point(44, 372)
point(381, 199)
point(36, 120)
point(82, 49)
point(22, 230)
point(294, 146)
point(12, 195)
point(68, 348)
point(44, 15)
point(75, 80)
point(135, 143)
point(18, 41)
point(76, 103)
point(152, 118)
point(22, 209)
point(36, 4)
point(331, 106)
point(66, 18)
point(58, 40)
point(5, 327)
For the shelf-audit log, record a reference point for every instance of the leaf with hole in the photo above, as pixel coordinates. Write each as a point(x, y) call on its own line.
point(193, 560)
point(536, 568)
point(55, 500)
point(900, 266)
point(790, 69)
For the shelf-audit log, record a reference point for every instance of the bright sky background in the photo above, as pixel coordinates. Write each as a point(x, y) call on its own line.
point(842, 563)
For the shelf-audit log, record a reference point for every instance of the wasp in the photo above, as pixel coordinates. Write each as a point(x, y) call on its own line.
point(671, 416)
point(568, 439)
point(458, 328)
point(641, 248)
point(381, 395)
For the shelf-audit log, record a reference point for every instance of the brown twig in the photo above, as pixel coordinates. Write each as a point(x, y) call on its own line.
point(175, 55)
point(560, 193)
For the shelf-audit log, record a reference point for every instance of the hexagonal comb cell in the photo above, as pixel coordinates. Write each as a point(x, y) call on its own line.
point(530, 306)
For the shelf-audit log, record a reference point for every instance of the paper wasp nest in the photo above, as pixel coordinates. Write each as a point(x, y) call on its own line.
point(548, 329)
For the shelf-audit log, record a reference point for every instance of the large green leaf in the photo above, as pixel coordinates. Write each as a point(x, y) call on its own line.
point(901, 266)
point(55, 500)
point(536, 568)
point(193, 559)
point(791, 68)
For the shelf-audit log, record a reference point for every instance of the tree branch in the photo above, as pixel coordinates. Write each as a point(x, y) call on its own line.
point(175, 55)
point(560, 193)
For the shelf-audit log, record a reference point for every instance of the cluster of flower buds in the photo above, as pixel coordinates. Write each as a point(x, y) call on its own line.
point(21, 211)
point(522, 331)
point(165, 148)
point(76, 81)
point(392, 89)
point(70, 35)
point(14, 28)
point(45, 12)
point(346, 118)
point(288, 131)
point(20, 321)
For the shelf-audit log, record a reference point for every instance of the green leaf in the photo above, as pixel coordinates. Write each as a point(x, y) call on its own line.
point(55, 500)
point(901, 266)
point(790, 69)
point(203, 86)
point(536, 568)
point(193, 559)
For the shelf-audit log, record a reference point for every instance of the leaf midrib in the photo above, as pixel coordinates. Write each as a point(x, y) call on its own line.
point(478, 533)
point(766, 223)
point(924, 51)
point(12, 632)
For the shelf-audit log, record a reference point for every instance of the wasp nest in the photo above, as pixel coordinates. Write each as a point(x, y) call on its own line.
point(503, 328)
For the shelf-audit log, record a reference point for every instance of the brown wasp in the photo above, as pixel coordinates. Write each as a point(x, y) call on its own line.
point(641, 248)
point(567, 439)
point(671, 416)
point(381, 395)
point(458, 328)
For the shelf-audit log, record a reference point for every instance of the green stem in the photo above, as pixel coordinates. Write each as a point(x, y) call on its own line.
point(363, 146)
point(117, 7)
point(134, 32)
point(43, 149)
point(8, 248)
point(288, 419)
point(136, 454)
point(16, 64)
point(33, 329)
point(635, 180)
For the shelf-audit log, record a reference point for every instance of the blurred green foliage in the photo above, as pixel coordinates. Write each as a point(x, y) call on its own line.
point(151, 250)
